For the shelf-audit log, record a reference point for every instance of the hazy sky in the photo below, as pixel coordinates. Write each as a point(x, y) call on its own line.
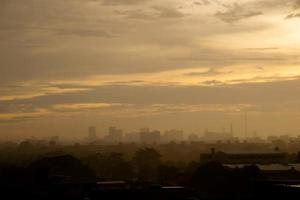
point(193, 64)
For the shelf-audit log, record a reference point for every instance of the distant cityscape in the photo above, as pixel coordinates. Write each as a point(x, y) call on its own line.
point(158, 164)
point(147, 136)
point(116, 135)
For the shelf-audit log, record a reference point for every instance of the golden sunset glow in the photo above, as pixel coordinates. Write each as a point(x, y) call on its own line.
point(148, 63)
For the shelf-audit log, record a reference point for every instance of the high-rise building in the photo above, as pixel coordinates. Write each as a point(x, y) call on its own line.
point(114, 136)
point(194, 138)
point(92, 134)
point(173, 136)
point(54, 140)
point(133, 137)
point(149, 137)
point(210, 136)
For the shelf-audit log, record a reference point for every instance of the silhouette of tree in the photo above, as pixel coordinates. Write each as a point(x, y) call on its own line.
point(67, 167)
point(211, 176)
point(26, 145)
point(298, 157)
point(110, 167)
point(147, 161)
point(168, 175)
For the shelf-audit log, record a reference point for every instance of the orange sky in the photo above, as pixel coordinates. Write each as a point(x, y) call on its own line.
point(192, 65)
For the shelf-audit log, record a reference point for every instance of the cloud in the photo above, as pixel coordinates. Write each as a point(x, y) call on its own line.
point(202, 3)
point(296, 4)
point(123, 2)
point(293, 5)
point(154, 13)
point(237, 13)
point(150, 43)
point(294, 15)
point(294, 11)
point(163, 109)
point(84, 106)
point(43, 91)
point(25, 115)
point(263, 48)
point(242, 92)
point(167, 12)
point(137, 14)
point(85, 32)
point(133, 106)
point(210, 72)
point(212, 82)
point(148, 52)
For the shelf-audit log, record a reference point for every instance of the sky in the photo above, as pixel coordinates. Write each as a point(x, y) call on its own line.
point(192, 65)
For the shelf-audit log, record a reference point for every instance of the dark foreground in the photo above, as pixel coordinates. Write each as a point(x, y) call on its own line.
point(141, 191)
point(59, 175)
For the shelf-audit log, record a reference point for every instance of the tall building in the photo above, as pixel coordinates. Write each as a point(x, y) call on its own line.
point(244, 158)
point(92, 134)
point(114, 136)
point(193, 138)
point(149, 137)
point(133, 137)
point(54, 140)
point(172, 136)
point(210, 136)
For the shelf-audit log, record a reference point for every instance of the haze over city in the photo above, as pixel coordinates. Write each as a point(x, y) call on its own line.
point(192, 65)
point(149, 99)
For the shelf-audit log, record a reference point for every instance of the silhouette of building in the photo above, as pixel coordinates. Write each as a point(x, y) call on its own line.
point(194, 138)
point(149, 137)
point(92, 134)
point(114, 136)
point(133, 137)
point(54, 140)
point(244, 158)
point(210, 136)
point(172, 136)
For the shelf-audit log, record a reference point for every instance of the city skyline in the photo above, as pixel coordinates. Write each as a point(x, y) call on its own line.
point(149, 99)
